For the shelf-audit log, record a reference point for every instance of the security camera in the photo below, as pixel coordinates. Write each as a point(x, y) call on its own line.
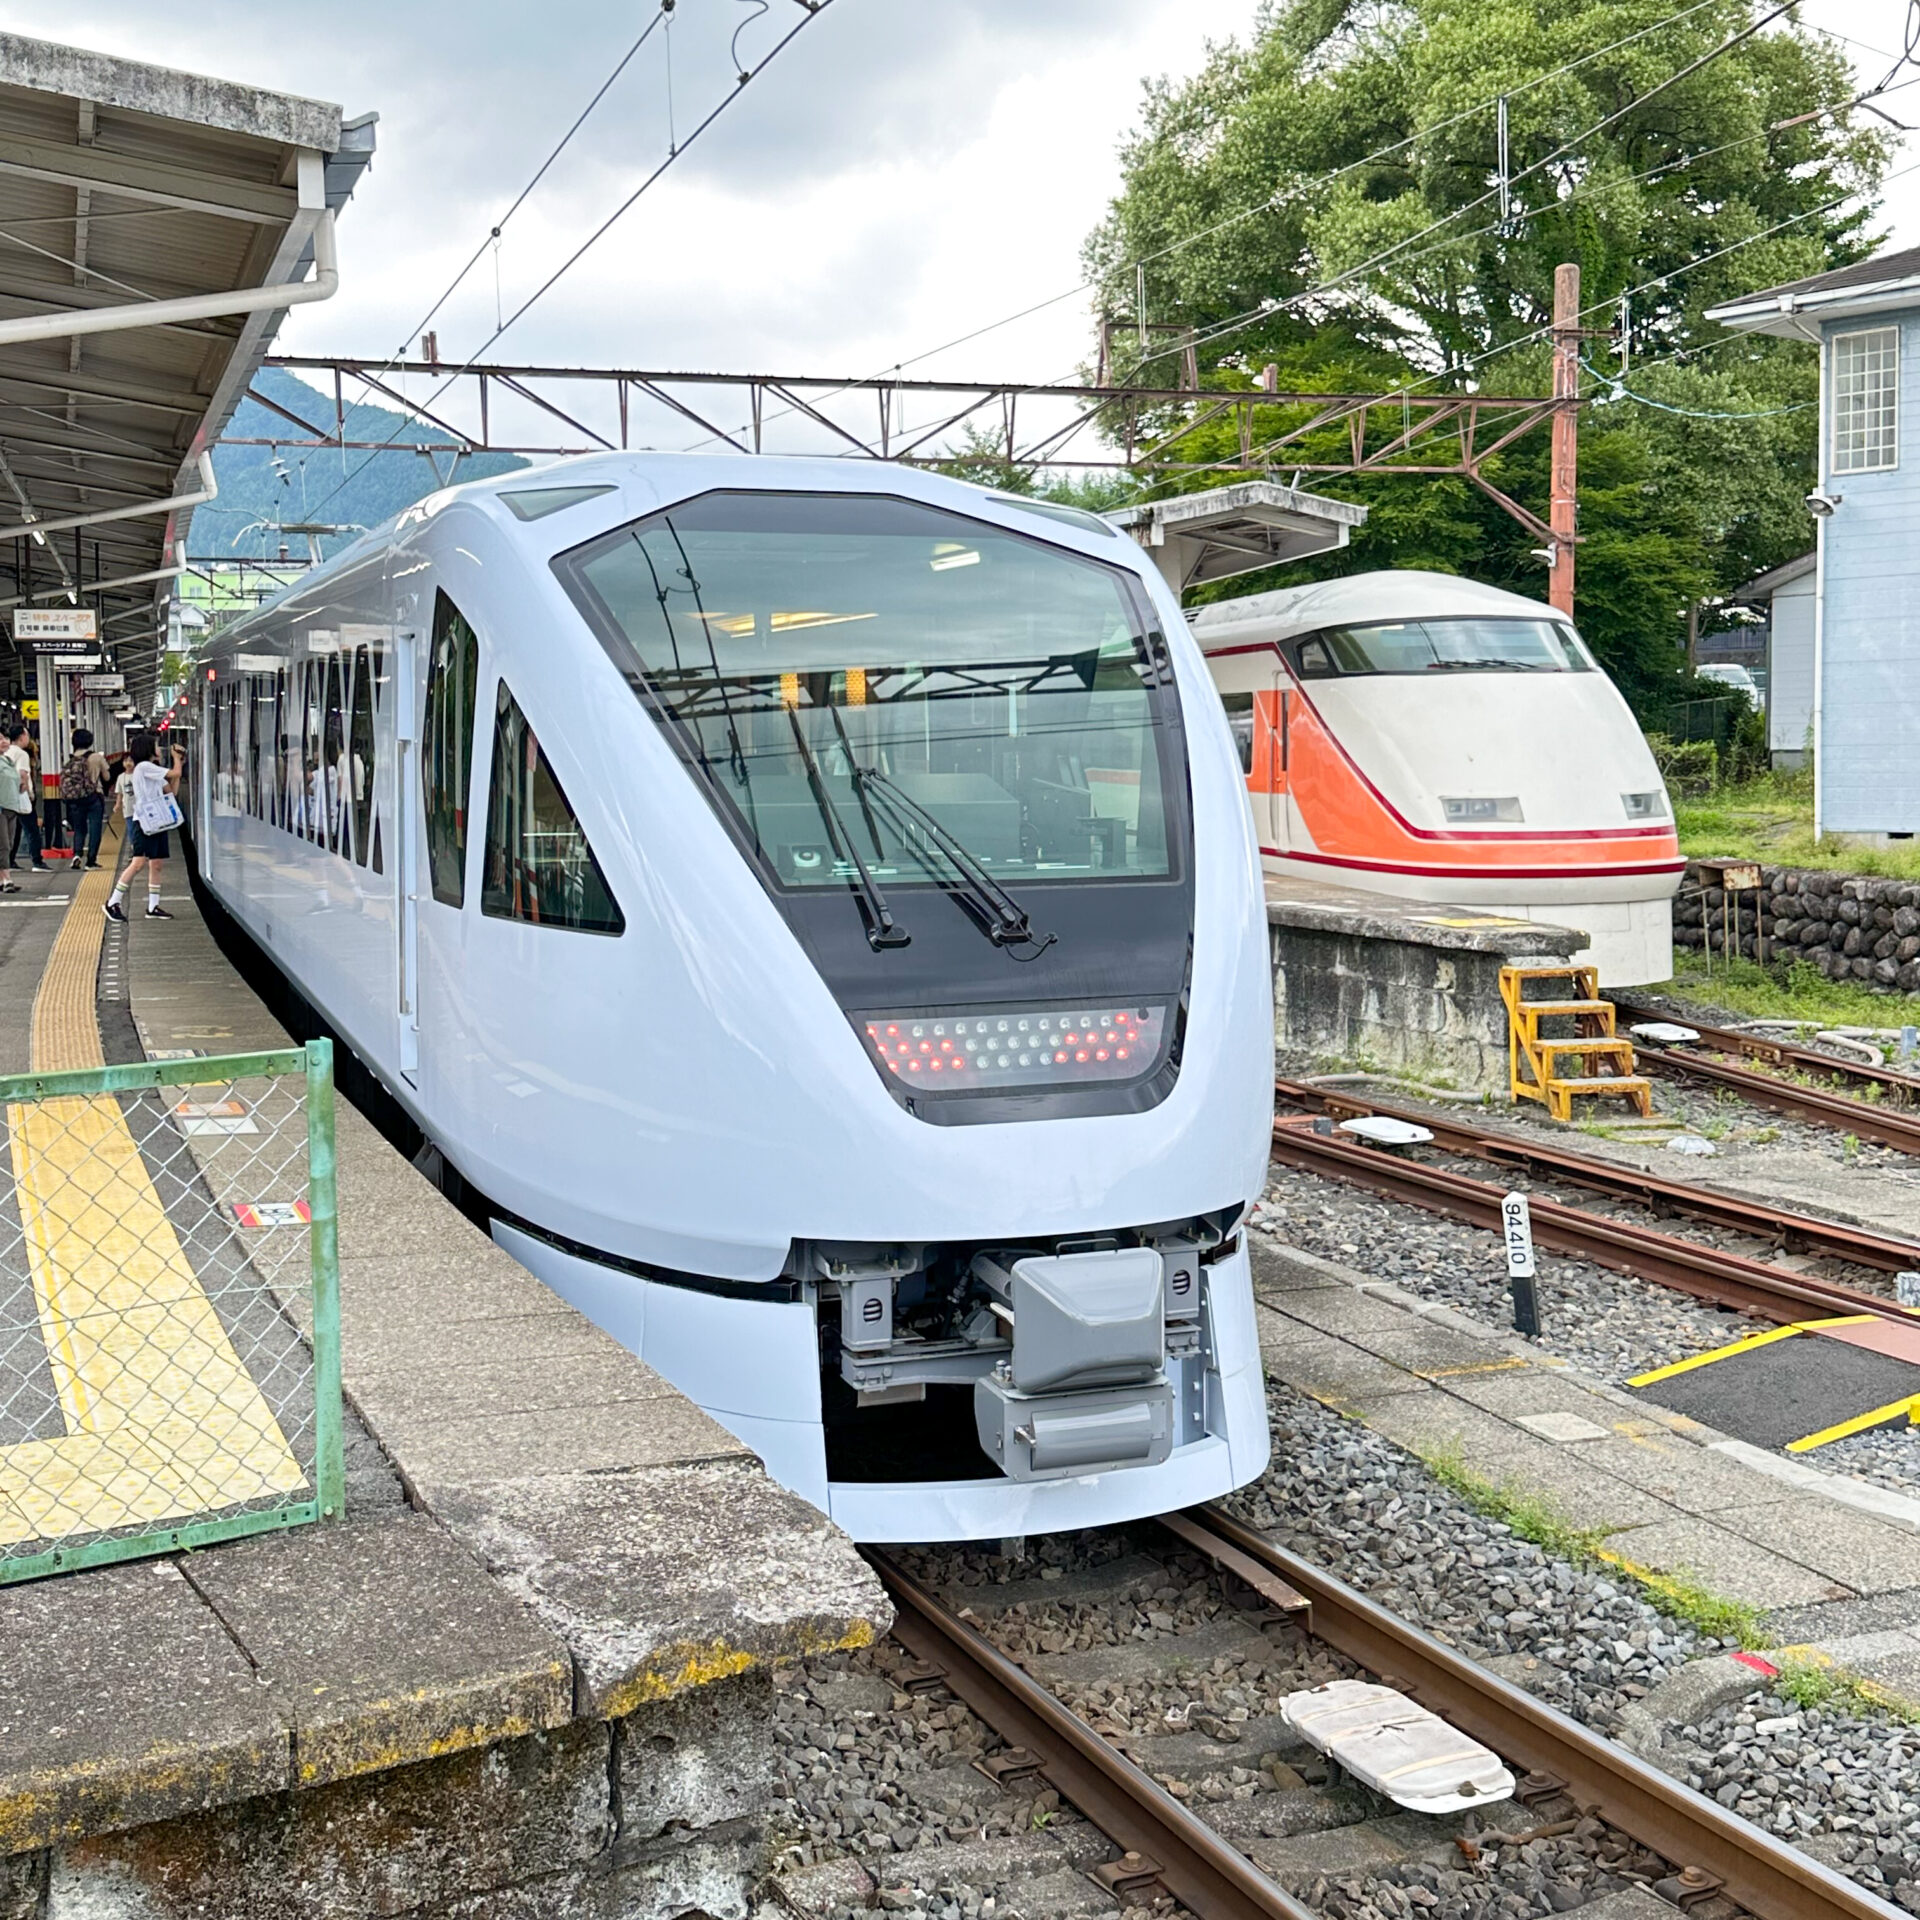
point(1823, 504)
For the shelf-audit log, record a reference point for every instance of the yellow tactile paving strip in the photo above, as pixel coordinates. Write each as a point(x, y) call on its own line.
point(163, 1419)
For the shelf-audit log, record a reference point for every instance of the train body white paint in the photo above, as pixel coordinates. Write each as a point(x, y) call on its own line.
point(1420, 735)
point(590, 807)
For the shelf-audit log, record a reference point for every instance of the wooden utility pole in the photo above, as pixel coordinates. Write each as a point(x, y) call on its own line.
point(1566, 433)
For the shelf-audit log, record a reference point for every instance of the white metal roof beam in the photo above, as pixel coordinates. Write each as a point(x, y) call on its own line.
point(152, 182)
point(208, 488)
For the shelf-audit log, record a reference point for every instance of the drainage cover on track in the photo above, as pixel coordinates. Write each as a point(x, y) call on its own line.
point(1799, 1387)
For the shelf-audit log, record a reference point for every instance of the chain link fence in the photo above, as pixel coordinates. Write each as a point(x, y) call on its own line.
point(169, 1307)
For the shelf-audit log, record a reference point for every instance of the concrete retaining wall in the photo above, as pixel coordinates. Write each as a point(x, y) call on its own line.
point(1850, 926)
point(657, 1814)
point(1399, 987)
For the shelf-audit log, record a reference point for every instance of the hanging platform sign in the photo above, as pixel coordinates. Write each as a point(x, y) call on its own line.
point(57, 629)
point(103, 683)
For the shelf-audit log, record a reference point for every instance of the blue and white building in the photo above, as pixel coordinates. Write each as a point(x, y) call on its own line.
point(1863, 722)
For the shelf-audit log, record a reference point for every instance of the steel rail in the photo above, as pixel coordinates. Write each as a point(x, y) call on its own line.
point(1778, 1053)
point(1727, 1279)
point(1683, 1827)
point(1206, 1874)
point(1882, 1125)
point(1797, 1232)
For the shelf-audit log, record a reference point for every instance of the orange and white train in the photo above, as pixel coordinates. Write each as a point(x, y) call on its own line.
point(1423, 736)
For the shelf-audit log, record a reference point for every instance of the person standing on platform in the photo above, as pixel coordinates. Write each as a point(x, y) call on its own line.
point(153, 806)
point(25, 820)
point(83, 797)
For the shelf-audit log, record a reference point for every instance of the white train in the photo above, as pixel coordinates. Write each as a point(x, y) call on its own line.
point(1422, 735)
point(816, 907)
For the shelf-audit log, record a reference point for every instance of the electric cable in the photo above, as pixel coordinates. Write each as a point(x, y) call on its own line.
point(1272, 203)
point(811, 11)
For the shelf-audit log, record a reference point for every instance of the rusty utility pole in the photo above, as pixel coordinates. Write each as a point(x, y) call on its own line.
point(1566, 433)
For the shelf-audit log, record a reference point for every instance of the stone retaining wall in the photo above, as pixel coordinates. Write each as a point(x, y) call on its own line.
point(1850, 926)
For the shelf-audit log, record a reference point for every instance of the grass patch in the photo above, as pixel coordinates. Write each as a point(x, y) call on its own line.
point(1770, 819)
point(1528, 1517)
point(1796, 992)
point(1819, 1684)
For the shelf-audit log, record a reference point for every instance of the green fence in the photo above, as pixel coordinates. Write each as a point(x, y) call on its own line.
point(169, 1307)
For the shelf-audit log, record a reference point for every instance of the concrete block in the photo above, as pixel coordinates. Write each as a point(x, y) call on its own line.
point(639, 1573)
point(124, 1700)
point(1851, 1548)
point(1329, 1369)
point(1694, 1479)
point(1525, 1388)
point(415, 1839)
point(1280, 1269)
point(1346, 1314)
point(701, 1759)
point(550, 1374)
point(1425, 1348)
point(385, 1643)
point(23, 1886)
point(1724, 1563)
point(1562, 1428)
point(437, 1452)
point(1902, 1509)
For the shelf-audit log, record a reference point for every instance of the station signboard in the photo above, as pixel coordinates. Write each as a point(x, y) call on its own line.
point(57, 630)
point(103, 683)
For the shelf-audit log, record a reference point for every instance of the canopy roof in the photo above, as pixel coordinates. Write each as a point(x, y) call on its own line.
point(125, 186)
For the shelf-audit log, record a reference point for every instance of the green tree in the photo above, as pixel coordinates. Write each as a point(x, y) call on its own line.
point(1261, 223)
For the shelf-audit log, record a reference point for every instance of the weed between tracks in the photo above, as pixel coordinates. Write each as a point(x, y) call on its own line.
point(1533, 1519)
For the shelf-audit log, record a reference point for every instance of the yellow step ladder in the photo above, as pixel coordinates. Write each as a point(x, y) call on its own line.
point(1566, 1000)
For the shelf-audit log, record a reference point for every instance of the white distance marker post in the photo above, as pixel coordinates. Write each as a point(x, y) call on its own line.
point(1516, 1224)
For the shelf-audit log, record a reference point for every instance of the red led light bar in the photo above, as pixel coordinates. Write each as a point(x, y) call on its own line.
point(1018, 1048)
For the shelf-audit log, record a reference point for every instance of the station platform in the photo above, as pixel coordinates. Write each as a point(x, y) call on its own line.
point(1402, 986)
point(527, 1670)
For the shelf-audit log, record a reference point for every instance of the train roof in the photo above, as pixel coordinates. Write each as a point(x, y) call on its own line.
point(1395, 594)
point(610, 489)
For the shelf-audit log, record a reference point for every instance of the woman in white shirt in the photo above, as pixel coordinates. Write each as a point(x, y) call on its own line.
point(152, 783)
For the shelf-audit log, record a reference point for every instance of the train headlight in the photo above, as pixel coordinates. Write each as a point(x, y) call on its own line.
point(1476, 812)
point(1019, 1047)
point(1645, 806)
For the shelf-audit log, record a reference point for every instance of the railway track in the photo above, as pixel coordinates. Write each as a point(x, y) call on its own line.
point(1891, 1119)
point(1732, 1280)
point(1718, 1865)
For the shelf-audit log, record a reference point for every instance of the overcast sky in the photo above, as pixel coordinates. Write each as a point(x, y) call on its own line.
point(908, 171)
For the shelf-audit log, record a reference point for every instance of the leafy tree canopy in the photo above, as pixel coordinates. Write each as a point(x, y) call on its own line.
point(1322, 199)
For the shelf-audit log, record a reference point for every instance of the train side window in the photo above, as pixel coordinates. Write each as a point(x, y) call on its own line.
point(331, 776)
point(380, 699)
point(537, 864)
point(359, 764)
point(1239, 708)
point(446, 749)
point(1312, 660)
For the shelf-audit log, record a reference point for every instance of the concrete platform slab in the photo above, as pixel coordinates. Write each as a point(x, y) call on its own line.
point(1330, 1370)
point(638, 1572)
point(1725, 1564)
point(1852, 1549)
point(125, 1701)
point(1346, 1314)
point(1692, 1479)
point(383, 1643)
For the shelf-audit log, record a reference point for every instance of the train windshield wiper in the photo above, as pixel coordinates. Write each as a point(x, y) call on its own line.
point(882, 929)
point(1483, 666)
point(998, 913)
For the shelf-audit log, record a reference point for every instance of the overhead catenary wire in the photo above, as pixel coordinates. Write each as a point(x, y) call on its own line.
point(811, 10)
point(1273, 202)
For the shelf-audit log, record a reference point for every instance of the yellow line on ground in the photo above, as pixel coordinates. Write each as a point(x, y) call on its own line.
point(1858, 1424)
point(1752, 1341)
point(164, 1420)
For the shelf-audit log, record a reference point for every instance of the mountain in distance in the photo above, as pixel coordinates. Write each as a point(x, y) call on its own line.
point(263, 488)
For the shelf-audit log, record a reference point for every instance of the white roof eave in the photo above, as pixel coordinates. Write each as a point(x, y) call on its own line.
point(1795, 316)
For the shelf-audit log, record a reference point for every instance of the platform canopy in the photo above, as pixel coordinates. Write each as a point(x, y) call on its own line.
point(1223, 531)
point(154, 228)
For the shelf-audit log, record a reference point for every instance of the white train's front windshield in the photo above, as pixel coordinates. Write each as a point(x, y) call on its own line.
point(851, 666)
point(1486, 643)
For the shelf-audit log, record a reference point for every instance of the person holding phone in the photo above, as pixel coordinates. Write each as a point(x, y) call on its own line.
point(154, 787)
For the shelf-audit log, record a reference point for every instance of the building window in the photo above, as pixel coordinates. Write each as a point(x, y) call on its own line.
point(538, 864)
point(1866, 400)
point(446, 750)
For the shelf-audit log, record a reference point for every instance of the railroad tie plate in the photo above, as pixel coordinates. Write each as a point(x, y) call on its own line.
point(1398, 1748)
point(1131, 1879)
point(1011, 1764)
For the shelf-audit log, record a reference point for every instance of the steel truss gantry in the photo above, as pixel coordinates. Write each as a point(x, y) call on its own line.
point(544, 411)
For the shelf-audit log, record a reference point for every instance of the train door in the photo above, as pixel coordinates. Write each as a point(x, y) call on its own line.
point(406, 865)
point(1276, 830)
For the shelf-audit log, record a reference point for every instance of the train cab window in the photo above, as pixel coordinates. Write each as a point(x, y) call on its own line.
point(537, 865)
point(1239, 708)
point(1471, 643)
point(446, 749)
